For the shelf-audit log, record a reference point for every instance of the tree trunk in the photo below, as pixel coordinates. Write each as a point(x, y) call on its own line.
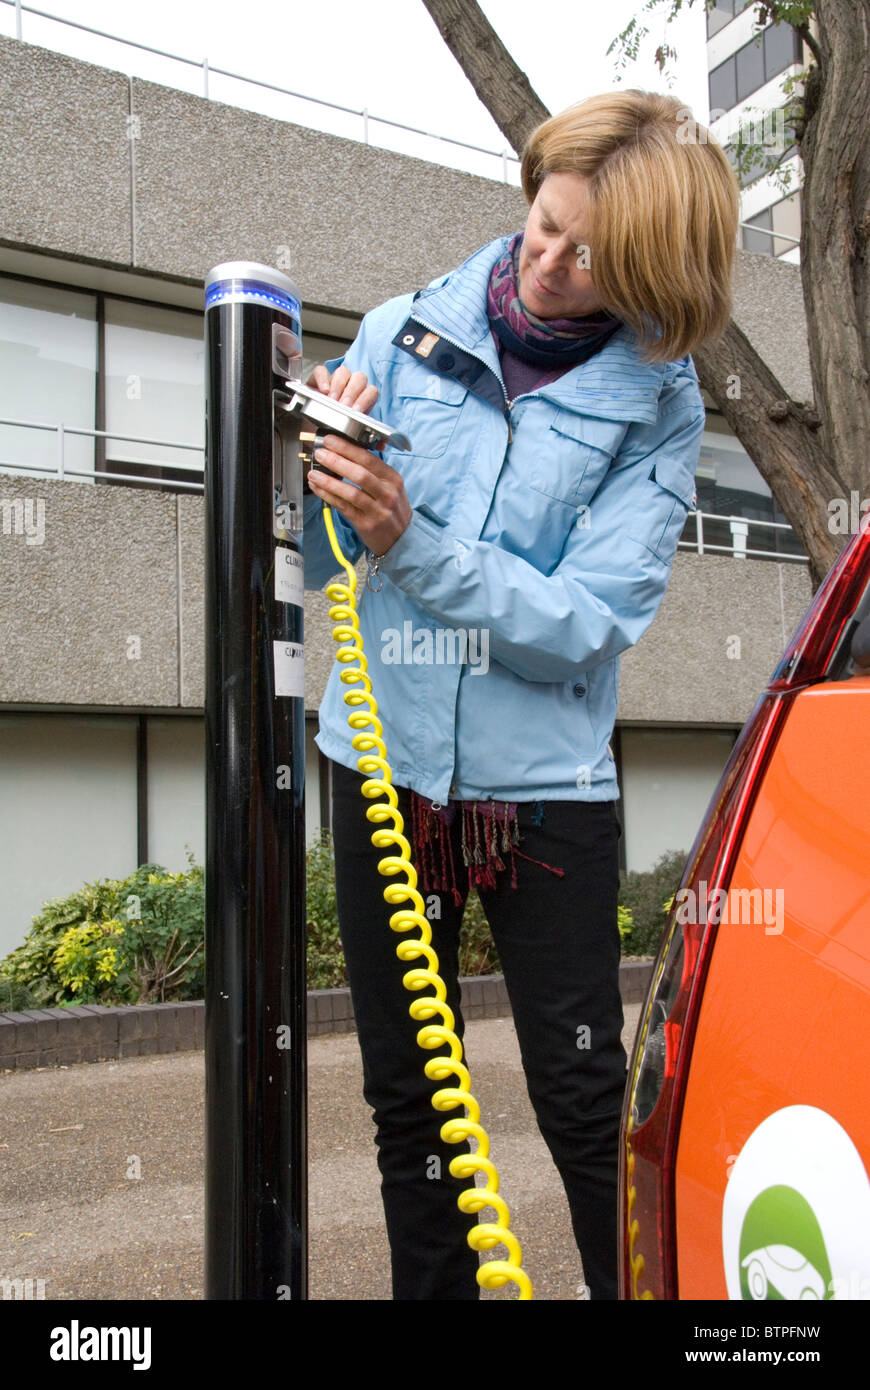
point(834, 237)
point(503, 87)
point(779, 435)
point(808, 454)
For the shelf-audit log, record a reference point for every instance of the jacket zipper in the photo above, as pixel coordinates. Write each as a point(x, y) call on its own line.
point(447, 338)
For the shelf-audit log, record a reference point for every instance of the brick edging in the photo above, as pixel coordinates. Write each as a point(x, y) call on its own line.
point(101, 1032)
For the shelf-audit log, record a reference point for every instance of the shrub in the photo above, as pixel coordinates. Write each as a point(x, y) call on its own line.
point(477, 953)
point(162, 947)
point(15, 996)
point(141, 939)
point(646, 896)
point(326, 967)
point(29, 972)
point(118, 941)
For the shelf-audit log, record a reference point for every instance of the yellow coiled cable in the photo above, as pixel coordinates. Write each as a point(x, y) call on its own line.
point(492, 1274)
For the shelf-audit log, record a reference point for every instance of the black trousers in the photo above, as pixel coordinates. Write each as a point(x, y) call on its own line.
point(558, 943)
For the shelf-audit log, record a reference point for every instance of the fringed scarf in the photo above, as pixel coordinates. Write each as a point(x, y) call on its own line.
point(490, 834)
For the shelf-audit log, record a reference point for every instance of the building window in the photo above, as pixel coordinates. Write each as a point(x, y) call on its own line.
point(783, 217)
point(728, 485)
point(758, 241)
point(782, 47)
point(722, 13)
point(124, 790)
point(97, 362)
point(154, 389)
point(749, 61)
point(48, 375)
point(68, 798)
point(765, 56)
point(668, 778)
point(723, 86)
point(761, 132)
point(316, 350)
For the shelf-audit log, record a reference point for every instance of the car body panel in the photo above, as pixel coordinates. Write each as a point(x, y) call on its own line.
point(785, 1015)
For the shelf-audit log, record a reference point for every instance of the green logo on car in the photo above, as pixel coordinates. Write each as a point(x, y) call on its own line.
point(782, 1253)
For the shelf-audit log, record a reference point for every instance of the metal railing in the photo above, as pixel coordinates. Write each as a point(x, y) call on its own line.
point(506, 156)
point(739, 526)
point(63, 471)
point(766, 231)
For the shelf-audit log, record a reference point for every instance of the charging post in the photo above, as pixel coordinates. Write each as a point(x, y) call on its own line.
point(255, 991)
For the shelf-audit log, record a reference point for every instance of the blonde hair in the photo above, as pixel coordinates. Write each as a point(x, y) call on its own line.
point(663, 207)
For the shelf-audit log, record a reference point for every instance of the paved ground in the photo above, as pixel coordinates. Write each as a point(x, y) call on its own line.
point(71, 1216)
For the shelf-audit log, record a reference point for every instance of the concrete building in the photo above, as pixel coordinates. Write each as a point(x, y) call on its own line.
point(747, 67)
point(117, 196)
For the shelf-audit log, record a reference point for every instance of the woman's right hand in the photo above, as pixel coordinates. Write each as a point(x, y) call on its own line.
point(346, 387)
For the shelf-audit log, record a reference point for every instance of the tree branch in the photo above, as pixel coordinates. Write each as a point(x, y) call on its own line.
point(501, 85)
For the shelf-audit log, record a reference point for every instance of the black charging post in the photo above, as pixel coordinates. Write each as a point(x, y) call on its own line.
point(255, 1022)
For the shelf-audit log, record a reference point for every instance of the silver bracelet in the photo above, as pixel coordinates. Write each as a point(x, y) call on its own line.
point(373, 566)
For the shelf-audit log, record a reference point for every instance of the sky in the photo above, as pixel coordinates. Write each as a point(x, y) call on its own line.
point(383, 55)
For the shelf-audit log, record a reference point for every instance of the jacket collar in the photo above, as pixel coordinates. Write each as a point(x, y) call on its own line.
point(615, 384)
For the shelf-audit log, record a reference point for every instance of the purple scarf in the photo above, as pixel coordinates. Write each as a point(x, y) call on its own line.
point(545, 343)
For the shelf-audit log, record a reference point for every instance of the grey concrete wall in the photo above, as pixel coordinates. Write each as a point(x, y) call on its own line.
point(116, 563)
point(769, 307)
point(319, 644)
point(191, 599)
point(214, 183)
point(719, 633)
point(113, 564)
point(358, 224)
point(65, 172)
point(209, 182)
point(89, 612)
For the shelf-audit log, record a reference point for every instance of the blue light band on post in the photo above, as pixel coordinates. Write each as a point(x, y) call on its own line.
point(251, 292)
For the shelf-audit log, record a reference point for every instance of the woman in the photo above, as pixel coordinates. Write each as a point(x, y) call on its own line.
point(524, 543)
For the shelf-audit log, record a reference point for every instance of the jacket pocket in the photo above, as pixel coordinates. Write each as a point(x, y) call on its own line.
point(427, 409)
point(574, 456)
point(675, 476)
point(658, 524)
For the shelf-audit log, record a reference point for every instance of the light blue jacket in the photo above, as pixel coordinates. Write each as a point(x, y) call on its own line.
point(541, 543)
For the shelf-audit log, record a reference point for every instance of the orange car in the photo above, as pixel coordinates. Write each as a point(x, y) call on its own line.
point(746, 1131)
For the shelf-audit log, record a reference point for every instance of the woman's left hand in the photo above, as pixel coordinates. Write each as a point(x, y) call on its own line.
point(377, 508)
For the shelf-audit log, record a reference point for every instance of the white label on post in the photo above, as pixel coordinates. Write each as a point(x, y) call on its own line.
point(289, 583)
point(289, 668)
